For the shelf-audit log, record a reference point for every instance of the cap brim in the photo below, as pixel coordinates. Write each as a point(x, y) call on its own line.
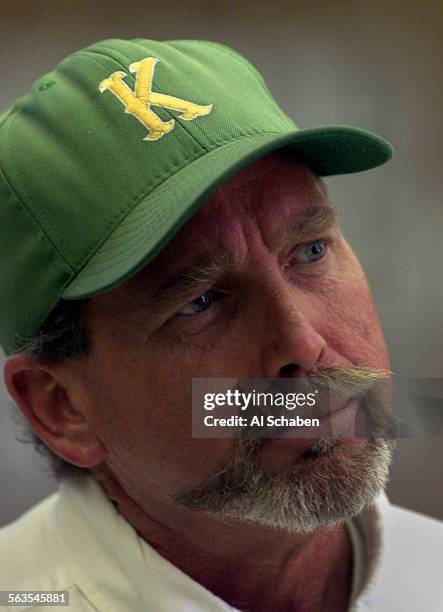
point(157, 218)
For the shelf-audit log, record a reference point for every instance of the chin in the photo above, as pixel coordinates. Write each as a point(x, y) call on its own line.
point(332, 481)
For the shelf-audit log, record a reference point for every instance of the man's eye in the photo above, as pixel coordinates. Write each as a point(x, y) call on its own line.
point(200, 304)
point(313, 251)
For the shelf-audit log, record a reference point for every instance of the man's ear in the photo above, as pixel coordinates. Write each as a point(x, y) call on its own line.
point(55, 405)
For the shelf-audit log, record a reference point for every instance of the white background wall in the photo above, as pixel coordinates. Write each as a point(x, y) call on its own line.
point(376, 65)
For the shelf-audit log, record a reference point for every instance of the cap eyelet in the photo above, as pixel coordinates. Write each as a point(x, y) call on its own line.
point(46, 85)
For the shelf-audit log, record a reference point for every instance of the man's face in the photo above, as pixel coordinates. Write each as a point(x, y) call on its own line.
point(292, 297)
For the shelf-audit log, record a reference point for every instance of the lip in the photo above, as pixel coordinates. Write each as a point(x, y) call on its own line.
point(336, 406)
point(326, 411)
point(292, 445)
point(340, 422)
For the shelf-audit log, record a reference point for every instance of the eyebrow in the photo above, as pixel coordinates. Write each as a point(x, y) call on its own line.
point(315, 221)
point(188, 282)
point(203, 273)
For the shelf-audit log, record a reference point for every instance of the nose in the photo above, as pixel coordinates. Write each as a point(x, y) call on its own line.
point(293, 347)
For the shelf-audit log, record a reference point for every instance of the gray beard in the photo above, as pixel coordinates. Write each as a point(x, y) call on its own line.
point(333, 483)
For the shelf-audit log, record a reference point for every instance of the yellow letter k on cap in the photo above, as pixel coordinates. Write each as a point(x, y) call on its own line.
point(138, 102)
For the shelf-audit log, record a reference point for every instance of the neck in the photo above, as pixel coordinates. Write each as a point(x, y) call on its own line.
point(247, 565)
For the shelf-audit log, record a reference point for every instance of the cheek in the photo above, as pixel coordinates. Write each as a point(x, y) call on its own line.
point(350, 324)
point(144, 419)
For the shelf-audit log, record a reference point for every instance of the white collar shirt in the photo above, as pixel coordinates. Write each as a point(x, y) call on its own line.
point(75, 540)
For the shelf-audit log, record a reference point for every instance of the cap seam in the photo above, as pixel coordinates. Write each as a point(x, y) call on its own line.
point(249, 67)
point(241, 60)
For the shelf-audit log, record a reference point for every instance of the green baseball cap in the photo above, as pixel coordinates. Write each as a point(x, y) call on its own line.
point(109, 154)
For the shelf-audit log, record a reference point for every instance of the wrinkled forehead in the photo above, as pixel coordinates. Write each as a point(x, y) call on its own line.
point(276, 180)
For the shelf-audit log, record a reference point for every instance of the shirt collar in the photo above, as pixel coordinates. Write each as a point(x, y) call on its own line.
point(114, 567)
point(366, 533)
